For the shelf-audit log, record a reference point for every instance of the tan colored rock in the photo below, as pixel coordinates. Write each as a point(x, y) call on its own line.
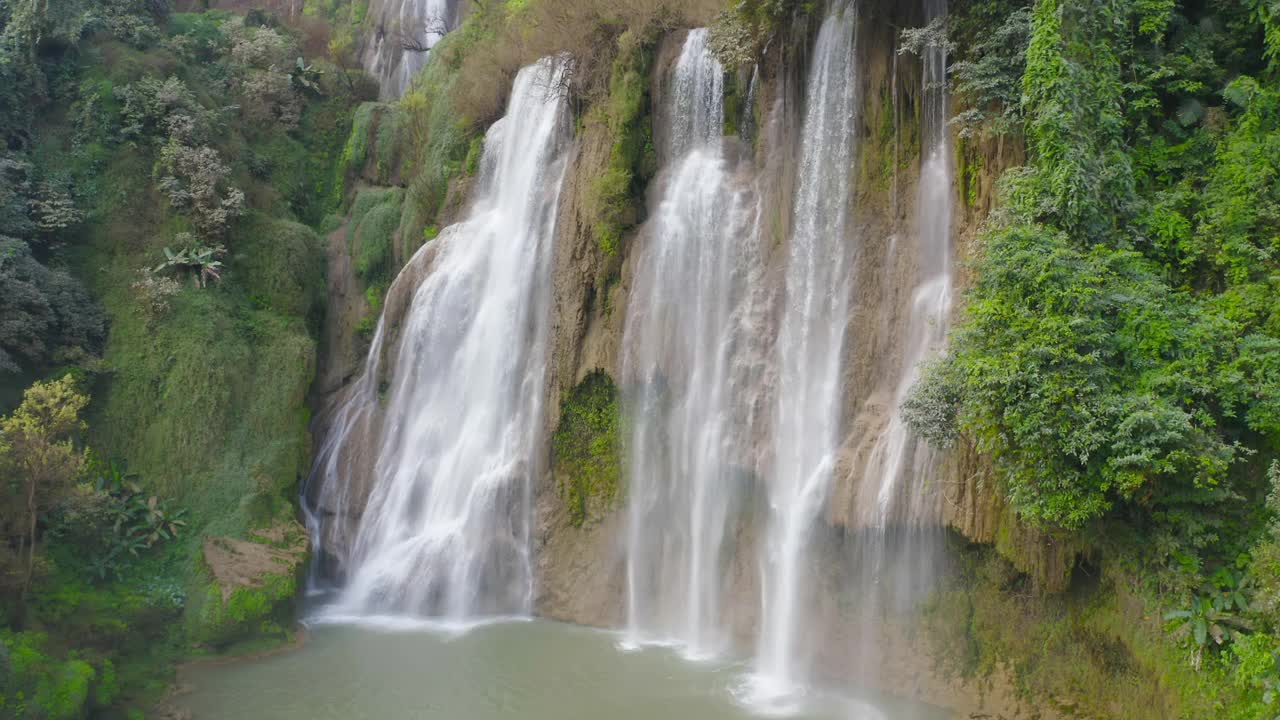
point(237, 564)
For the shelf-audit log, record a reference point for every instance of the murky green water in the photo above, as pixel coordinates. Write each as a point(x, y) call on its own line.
point(527, 670)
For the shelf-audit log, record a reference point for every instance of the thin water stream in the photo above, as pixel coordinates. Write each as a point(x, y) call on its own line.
point(528, 670)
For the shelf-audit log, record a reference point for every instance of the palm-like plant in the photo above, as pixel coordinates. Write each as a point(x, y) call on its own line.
point(306, 77)
point(1213, 615)
point(201, 261)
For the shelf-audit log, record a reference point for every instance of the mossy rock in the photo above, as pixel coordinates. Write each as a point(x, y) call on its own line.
point(281, 265)
point(587, 448)
point(253, 588)
point(371, 233)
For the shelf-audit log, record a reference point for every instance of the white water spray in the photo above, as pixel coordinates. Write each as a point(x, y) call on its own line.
point(405, 32)
point(445, 532)
point(899, 465)
point(680, 331)
point(810, 346)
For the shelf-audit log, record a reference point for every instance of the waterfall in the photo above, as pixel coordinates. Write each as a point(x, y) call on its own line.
point(445, 529)
point(696, 110)
point(679, 336)
point(810, 345)
point(405, 31)
point(896, 456)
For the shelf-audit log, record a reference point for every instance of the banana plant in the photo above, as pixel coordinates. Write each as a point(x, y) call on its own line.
point(1213, 615)
point(306, 77)
point(201, 261)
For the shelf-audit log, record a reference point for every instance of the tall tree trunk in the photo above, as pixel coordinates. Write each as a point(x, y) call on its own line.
point(31, 536)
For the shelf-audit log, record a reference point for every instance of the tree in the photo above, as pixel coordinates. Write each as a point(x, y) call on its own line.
point(41, 462)
point(196, 181)
point(45, 314)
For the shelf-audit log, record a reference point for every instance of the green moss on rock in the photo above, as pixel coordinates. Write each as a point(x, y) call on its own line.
point(375, 219)
point(614, 198)
point(281, 264)
point(253, 587)
point(586, 447)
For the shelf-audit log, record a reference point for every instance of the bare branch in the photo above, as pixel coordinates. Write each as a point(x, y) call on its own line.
point(421, 36)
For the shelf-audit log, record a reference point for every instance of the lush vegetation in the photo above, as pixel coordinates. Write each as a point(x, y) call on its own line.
point(1119, 353)
point(160, 287)
point(586, 450)
point(164, 176)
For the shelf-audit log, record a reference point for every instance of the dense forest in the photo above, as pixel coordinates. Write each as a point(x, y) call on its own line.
point(177, 178)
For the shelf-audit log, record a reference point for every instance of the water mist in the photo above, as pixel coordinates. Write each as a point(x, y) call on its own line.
point(809, 350)
point(445, 530)
point(680, 332)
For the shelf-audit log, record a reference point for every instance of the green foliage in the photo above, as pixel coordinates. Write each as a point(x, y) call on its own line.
point(40, 686)
point(48, 315)
point(152, 108)
point(356, 152)
point(445, 143)
point(1257, 672)
point(260, 610)
point(1118, 314)
point(614, 197)
point(115, 521)
point(1096, 651)
point(214, 128)
point(387, 142)
point(1214, 615)
point(1083, 175)
point(282, 267)
point(199, 261)
point(373, 296)
point(988, 80)
point(375, 219)
point(196, 182)
point(586, 447)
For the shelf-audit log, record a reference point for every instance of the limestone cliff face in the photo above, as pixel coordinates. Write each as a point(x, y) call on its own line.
point(580, 565)
point(581, 570)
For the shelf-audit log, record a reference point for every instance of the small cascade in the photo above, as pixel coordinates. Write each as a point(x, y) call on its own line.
point(444, 532)
point(405, 32)
point(696, 111)
point(809, 350)
point(899, 466)
point(897, 511)
point(680, 334)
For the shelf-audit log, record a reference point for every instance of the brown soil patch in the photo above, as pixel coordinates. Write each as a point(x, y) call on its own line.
point(242, 563)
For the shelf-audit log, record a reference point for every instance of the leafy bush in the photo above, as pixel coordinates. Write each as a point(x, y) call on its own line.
point(269, 97)
point(48, 315)
point(989, 79)
point(154, 293)
point(39, 461)
point(1116, 356)
point(153, 109)
point(195, 181)
point(375, 219)
point(614, 197)
point(201, 262)
point(116, 521)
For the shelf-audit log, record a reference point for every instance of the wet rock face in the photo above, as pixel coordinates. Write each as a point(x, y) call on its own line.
point(400, 33)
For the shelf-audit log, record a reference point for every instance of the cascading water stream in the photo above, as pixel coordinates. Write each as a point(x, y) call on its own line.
point(445, 531)
point(809, 346)
point(678, 343)
point(406, 30)
point(896, 455)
